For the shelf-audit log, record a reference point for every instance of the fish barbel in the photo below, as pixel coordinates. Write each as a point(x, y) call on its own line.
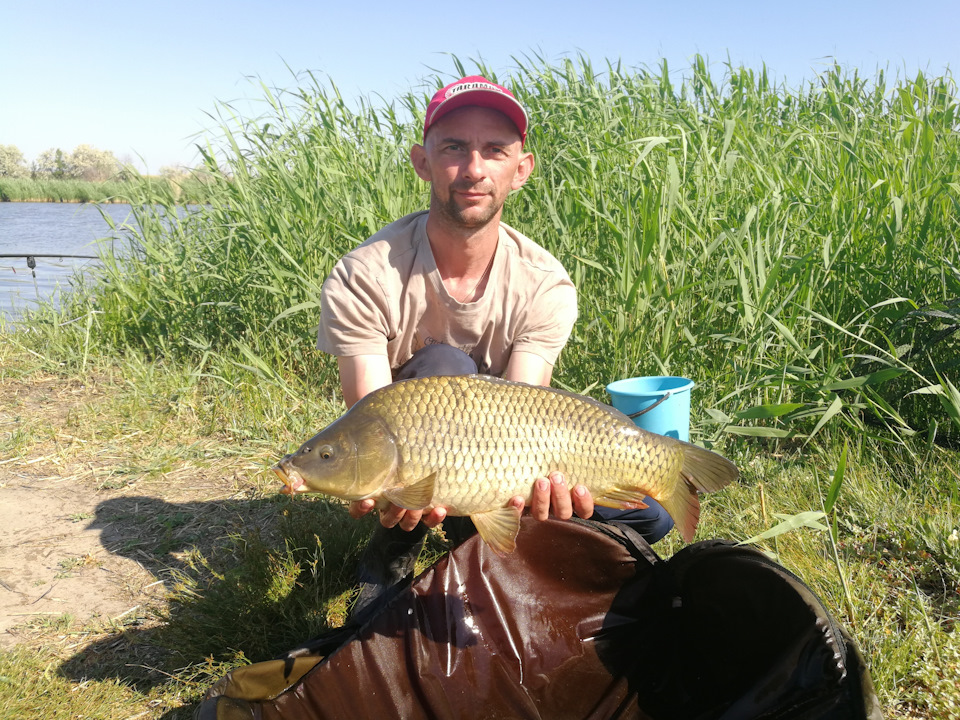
point(470, 443)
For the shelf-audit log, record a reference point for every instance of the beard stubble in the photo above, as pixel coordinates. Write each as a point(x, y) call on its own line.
point(457, 216)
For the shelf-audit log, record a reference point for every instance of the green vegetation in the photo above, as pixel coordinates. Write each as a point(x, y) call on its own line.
point(792, 250)
point(180, 190)
point(89, 175)
point(53, 190)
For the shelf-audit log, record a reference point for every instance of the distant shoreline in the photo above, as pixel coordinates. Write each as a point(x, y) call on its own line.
point(71, 201)
point(66, 190)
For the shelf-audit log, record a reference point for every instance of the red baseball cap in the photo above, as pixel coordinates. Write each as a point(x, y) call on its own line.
point(476, 90)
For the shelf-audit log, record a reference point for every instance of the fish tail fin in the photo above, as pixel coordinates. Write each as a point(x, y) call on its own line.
point(706, 470)
point(703, 471)
point(683, 505)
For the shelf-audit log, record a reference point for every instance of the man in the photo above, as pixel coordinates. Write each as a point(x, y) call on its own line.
point(452, 291)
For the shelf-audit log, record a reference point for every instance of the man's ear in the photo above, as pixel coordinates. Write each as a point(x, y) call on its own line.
point(524, 169)
point(418, 156)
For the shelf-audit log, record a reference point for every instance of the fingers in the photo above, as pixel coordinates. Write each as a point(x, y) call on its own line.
point(359, 508)
point(434, 517)
point(392, 516)
point(552, 496)
point(582, 502)
point(540, 499)
point(410, 519)
point(560, 496)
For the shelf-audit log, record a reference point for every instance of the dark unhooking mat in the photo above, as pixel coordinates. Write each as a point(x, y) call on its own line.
point(582, 621)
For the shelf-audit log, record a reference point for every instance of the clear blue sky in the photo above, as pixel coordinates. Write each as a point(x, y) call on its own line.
point(140, 78)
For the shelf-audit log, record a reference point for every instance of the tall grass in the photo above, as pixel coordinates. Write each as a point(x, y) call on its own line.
point(53, 190)
point(790, 248)
point(761, 239)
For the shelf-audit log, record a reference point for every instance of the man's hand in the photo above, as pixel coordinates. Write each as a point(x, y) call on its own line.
point(552, 493)
point(393, 515)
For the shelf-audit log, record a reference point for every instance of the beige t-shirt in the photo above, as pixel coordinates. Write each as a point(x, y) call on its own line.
point(386, 297)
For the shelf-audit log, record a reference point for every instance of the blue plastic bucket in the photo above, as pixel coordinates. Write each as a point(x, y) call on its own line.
point(671, 417)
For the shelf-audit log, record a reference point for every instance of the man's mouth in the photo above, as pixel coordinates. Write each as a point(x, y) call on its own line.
point(471, 191)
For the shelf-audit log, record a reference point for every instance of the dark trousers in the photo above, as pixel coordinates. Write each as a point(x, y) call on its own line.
point(392, 552)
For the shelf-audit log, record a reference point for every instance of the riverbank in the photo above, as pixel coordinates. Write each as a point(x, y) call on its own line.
point(182, 190)
point(68, 201)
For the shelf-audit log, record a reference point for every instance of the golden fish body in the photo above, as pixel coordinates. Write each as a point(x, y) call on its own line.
point(471, 443)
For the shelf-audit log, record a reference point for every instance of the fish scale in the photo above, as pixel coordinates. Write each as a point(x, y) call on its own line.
point(471, 443)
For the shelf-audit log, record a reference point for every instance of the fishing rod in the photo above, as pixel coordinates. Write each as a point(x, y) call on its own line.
point(56, 255)
point(32, 262)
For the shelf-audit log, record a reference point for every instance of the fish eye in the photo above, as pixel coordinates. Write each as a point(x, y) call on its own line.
point(326, 452)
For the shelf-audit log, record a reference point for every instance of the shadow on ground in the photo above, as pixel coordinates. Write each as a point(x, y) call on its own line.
point(247, 579)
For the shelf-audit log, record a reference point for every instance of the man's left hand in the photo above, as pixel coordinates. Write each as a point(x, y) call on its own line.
point(552, 493)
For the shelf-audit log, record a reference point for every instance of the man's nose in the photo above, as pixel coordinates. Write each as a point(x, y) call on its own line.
point(474, 167)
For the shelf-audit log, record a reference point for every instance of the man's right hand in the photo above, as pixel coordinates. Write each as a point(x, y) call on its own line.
point(393, 515)
point(552, 496)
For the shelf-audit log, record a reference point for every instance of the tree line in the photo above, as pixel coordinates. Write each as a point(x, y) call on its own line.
point(84, 163)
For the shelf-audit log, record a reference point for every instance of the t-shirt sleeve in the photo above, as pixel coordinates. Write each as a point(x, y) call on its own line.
point(550, 321)
point(353, 312)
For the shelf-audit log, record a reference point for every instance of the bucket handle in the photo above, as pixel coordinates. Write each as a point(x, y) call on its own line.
point(648, 409)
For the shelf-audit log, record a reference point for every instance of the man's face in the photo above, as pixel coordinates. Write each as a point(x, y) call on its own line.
point(472, 158)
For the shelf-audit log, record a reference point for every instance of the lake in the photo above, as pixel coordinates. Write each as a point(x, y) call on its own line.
point(48, 229)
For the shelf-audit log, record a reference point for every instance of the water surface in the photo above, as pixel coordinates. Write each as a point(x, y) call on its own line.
point(61, 229)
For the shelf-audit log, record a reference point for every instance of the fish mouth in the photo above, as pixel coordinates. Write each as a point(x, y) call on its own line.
point(292, 481)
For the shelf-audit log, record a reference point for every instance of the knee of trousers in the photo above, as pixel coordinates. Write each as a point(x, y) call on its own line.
point(652, 522)
point(433, 360)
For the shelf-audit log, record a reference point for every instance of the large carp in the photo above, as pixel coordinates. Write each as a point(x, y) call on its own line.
point(470, 443)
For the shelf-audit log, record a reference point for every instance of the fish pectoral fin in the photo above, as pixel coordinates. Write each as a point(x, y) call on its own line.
point(499, 528)
point(413, 497)
point(622, 499)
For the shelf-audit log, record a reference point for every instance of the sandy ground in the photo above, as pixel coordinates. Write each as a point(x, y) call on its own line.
point(103, 558)
point(81, 545)
point(55, 559)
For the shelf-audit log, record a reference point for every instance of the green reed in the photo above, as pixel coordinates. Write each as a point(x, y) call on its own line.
point(190, 189)
point(53, 190)
point(756, 237)
point(789, 248)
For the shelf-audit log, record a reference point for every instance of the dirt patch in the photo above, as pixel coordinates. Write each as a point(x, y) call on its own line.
point(92, 526)
point(70, 554)
point(55, 562)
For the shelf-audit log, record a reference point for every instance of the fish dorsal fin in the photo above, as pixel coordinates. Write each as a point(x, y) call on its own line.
point(499, 528)
point(413, 497)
